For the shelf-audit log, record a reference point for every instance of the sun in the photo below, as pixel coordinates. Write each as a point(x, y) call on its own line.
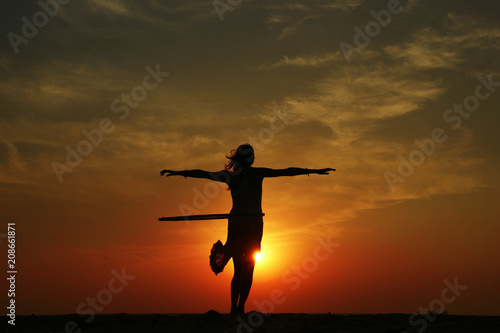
point(258, 256)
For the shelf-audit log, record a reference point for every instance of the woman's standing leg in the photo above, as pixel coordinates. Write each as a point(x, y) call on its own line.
point(246, 284)
point(241, 283)
point(235, 288)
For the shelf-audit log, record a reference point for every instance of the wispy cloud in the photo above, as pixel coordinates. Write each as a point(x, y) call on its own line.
point(430, 48)
point(359, 93)
point(315, 60)
point(112, 7)
point(345, 5)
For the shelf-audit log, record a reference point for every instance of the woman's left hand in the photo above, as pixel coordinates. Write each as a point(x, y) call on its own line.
point(324, 171)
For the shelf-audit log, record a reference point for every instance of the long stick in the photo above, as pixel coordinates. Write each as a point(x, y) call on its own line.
point(203, 217)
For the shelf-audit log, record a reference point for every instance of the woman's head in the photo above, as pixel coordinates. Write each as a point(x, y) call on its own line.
point(243, 157)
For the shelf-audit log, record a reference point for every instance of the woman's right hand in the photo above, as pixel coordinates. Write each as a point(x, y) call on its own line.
point(169, 172)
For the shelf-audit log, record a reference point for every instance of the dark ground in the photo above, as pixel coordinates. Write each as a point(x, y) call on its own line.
point(213, 321)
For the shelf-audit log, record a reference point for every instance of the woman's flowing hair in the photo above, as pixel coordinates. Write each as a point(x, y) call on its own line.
point(243, 156)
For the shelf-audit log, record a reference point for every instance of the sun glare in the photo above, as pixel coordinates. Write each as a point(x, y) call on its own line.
point(258, 256)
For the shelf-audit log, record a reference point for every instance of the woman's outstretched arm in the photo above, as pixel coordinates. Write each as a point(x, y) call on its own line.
point(221, 176)
point(267, 172)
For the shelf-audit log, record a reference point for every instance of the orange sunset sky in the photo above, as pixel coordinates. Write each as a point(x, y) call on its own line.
point(100, 96)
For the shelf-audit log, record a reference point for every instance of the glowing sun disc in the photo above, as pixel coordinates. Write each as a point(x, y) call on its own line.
point(258, 256)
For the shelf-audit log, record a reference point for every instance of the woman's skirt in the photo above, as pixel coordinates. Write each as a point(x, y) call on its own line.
point(244, 236)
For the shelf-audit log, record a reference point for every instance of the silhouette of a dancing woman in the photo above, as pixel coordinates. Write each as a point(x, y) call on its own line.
point(245, 225)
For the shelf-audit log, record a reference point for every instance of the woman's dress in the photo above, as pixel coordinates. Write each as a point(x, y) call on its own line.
point(245, 224)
